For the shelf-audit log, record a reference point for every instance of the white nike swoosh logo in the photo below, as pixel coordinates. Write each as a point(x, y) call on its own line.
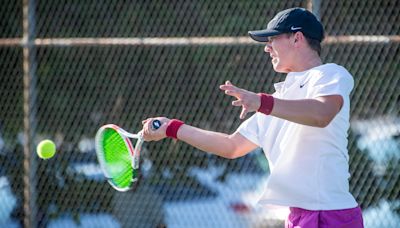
point(295, 28)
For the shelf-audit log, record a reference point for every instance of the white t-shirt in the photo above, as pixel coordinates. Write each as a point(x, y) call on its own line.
point(309, 165)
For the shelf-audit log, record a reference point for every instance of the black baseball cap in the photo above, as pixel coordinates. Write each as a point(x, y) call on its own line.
point(289, 21)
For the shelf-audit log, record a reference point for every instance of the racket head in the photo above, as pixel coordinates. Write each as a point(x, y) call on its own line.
point(115, 155)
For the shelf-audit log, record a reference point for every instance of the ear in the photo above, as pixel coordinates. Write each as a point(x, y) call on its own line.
point(298, 37)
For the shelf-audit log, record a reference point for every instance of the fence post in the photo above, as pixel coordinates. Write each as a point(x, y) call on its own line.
point(29, 96)
point(314, 6)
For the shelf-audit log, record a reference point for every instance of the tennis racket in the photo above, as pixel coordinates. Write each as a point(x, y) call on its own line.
point(117, 157)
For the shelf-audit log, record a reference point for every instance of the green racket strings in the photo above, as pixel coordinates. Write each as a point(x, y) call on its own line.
point(117, 159)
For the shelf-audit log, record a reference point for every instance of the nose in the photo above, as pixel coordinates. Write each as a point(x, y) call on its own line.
point(267, 47)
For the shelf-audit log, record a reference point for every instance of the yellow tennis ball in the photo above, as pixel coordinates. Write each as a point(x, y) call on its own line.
point(46, 149)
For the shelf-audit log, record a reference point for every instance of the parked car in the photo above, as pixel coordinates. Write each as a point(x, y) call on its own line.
point(235, 201)
point(378, 141)
point(379, 138)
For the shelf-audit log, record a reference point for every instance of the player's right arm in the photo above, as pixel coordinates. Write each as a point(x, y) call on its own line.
point(228, 146)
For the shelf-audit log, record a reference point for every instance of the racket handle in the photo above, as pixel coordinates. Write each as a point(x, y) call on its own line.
point(155, 124)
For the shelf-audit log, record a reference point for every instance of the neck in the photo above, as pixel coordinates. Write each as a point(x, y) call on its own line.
point(307, 61)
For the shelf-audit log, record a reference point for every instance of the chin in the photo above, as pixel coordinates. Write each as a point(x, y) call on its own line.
point(280, 69)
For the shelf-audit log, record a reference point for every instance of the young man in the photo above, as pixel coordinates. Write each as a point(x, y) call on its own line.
point(302, 127)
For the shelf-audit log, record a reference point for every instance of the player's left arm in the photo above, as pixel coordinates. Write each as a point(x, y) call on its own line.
point(317, 112)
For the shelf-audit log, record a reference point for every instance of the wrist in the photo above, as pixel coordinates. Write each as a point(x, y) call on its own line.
point(173, 128)
point(266, 103)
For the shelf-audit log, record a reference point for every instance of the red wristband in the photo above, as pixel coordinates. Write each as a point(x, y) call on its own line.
point(173, 127)
point(267, 103)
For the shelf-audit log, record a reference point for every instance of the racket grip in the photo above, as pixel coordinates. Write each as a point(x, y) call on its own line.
point(155, 124)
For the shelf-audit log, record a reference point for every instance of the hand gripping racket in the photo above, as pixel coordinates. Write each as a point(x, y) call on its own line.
point(117, 157)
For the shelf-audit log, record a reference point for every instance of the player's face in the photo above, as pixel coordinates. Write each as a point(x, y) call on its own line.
point(279, 49)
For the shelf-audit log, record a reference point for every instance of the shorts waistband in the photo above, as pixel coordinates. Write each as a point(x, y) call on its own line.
point(298, 210)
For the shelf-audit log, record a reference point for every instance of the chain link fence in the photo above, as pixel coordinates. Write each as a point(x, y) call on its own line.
point(69, 67)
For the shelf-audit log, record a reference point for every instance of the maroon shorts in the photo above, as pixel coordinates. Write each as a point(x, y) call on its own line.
point(301, 218)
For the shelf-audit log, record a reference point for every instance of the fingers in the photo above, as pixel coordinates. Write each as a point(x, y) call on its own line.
point(237, 103)
point(244, 109)
point(145, 121)
point(146, 127)
point(247, 99)
point(147, 132)
point(243, 113)
point(227, 85)
point(233, 93)
point(231, 90)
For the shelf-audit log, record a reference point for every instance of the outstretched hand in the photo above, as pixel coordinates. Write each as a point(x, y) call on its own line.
point(249, 101)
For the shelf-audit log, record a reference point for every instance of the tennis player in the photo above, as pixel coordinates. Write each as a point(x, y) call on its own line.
point(301, 127)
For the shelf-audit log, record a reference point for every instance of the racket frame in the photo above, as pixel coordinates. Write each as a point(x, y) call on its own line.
point(133, 152)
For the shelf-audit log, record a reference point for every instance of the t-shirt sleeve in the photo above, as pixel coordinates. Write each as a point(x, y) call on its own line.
point(338, 83)
point(255, 127)
point(249, 129)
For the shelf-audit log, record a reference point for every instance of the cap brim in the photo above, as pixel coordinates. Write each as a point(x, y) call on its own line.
point(262, 35)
